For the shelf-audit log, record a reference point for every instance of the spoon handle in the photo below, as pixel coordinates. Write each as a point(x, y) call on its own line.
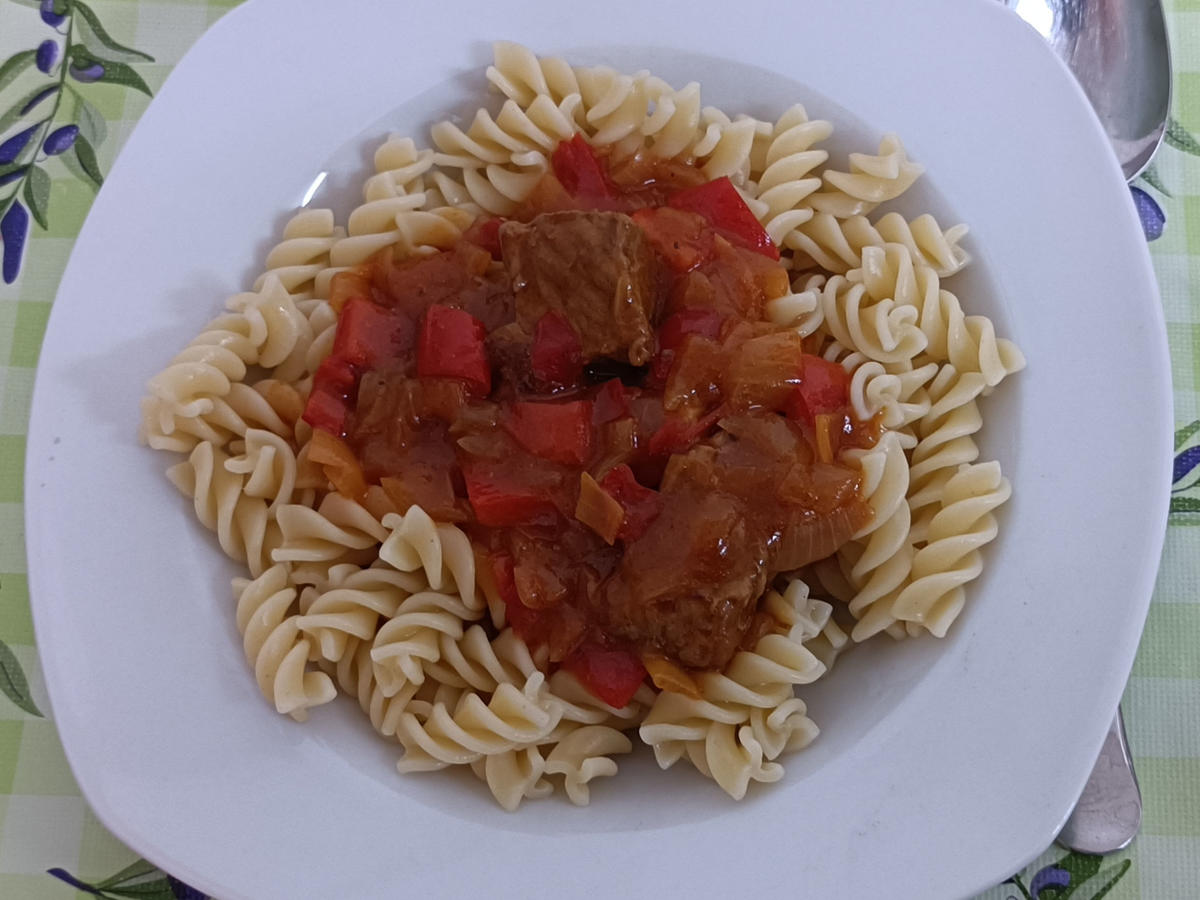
point(1109, 812)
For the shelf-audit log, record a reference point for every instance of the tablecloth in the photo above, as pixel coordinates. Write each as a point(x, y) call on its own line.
point(75, 77)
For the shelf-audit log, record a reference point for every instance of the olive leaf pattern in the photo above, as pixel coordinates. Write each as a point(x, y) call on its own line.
point(48, 115)
point(13, 682)
point(1185, 477)
point(1154, 220)
point(54, 119)
point(140, 880)
point(1071, 874)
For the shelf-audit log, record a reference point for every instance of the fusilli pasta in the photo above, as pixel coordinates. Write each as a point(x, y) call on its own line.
point(393, 608)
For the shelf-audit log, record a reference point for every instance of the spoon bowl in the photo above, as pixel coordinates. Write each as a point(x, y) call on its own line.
point(1119, 53)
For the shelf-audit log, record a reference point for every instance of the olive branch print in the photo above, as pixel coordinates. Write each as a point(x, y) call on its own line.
point(140, 880)
point(50, 116)
point(1185, 477)
point(1067, 876)
point(1153, 218)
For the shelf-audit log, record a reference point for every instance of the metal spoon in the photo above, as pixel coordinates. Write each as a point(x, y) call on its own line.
point(1108, 813)
point(1118, 50)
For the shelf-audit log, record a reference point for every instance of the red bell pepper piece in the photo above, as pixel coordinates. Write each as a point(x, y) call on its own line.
point(451, 345)
point(720, 203)
point(641, 504)
point(559, 432)
point(329, 400)
point(556, 355)
point(525, 622)
point(581, 172)
point(612, 675)
point(678, 434)
point(486, 234)
point(824, 388)
point(367, 334)
point(610, 402)
point(501, 499)
point(704, 322)
point(683, 239)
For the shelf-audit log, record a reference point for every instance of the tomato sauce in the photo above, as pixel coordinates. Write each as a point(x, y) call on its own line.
point(592, 393)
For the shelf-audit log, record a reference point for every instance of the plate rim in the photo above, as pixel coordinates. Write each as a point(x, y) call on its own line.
point(40, 432)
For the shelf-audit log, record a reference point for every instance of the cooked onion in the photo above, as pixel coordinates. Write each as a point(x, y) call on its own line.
point(820, 536)
point(597, 509)
point(346, 284)
point(826, 439)
point(667, 676)
point(340, 465)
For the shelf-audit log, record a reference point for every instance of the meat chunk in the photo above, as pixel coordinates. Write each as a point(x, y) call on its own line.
point(592, 267)
point(690, 585)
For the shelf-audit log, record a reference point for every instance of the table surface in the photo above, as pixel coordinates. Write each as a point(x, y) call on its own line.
point(52, 846)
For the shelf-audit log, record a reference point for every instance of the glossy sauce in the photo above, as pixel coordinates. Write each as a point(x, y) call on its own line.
point(709, 472)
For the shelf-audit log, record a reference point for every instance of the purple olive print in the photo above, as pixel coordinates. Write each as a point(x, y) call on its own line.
point(11, 149)
point(60, 139)
point(1051, 876)
point(1185, 462)
point(14, 228)
point(53, 133)
point(87, 74)
point(47, 53)
point(49, 16)
point(183, 891)
point(38, 98)
point(1151, 214)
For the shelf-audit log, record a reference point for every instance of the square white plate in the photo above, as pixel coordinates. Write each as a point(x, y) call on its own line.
point(942, 766)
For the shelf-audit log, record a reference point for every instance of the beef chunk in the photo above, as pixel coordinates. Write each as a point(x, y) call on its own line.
point(690, 585)
point(592, 267)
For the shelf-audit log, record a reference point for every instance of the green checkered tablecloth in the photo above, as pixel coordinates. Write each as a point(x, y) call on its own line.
point(118, 52)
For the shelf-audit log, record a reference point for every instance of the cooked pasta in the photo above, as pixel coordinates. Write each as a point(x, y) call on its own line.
point(356, 586)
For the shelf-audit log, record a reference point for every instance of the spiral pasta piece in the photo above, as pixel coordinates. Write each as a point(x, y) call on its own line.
point(730, 756)
point(673, 128)
point(522, 76)
point(337, 527)
point(303, 253)
point(513, 718)
point(882, 329)
point(783, 169)
point(275, 647)
point(514, 775)
point(441, 553)
point(355, 676)
point(761, 679)
point(351, 604)
point(585, 755)
point(242, 523)
point(269, 465)
point(411, 637)
point(837, 244)
point(475, 661)
point(397, 188)
point(945, 438)
point(191, 395)
point(801, 308)
point(872, 179)
point(950, 557)
point(615, 105)
point(725, 147)
point(878, 559)
point(783, 729)
point(487, 142)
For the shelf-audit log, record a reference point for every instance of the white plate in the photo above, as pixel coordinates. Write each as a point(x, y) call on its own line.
point(942, 767)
